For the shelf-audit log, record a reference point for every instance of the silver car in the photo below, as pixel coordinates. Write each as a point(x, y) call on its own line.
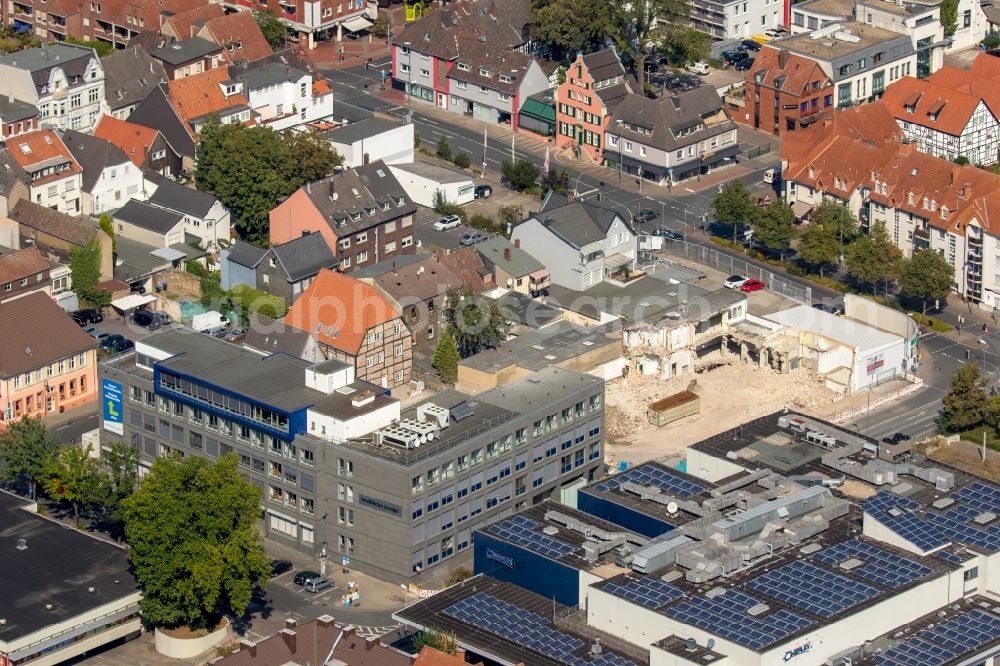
point(318, 584)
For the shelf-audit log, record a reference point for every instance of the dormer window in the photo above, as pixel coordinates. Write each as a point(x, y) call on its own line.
point(933, 204)
point(926, 203)
point(399, 201)
point(356, 215)
point(812, 172)
point(485, 72)
point(944, 212)
point(909, 197)
point(504, 78)
point(464, 66)
point(231, 88)
point(370, 210)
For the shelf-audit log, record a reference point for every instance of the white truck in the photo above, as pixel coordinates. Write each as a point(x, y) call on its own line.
point(210, 321)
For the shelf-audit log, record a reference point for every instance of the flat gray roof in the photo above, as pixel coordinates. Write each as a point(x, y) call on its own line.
point(830, 48)
point(544, 347)
point(434, 172)
point(361, 129)
point(856, 334)
point(543, 388)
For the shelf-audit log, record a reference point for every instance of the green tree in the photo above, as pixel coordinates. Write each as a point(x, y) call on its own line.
point(510, 214)
point(74, 476)
point(521, 174)
point(271, 26)
point(121, 462)
point(966, 403)
point(734, 205)
point(775, 227)
point(380, 26)
point(873, 258)
point(108, 227)
point(103, 49)
point(313, 156)
point(839, 218)
point(446, 358)
point(85, 272)
point(556, 180)
point(819, 247)
point(683, 45)
point(461, 160)
point(949, 16)
point(474, 323)
point(927, 276)
point(443, 148)
point(193, 542)
point(416, 141)
point(25, 453)
point(639, 24)
point(564, 28)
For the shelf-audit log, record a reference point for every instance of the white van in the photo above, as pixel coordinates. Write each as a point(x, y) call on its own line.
point(209, 320)
point(700, 67)
point(772, 175)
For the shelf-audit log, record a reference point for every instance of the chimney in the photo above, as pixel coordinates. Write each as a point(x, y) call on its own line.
point(506, 254)
point(966, 191)
point(290, 623)
point(517, 243)
point(370, 643)
point(288, 636)
point(249, 646)
point(333, 188)
point(324, 621)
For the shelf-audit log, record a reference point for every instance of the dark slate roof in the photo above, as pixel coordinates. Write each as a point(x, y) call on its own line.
point(364, 129)
point(344, 113)
point(156, 112)
point(260, 74)
point(72, 59)
point(673, 112)
point(273, 336)
point(12, 110)
point(604, 65)
point(579, 223)
point(304, 256)
point(494, 61)
point(76, 230)
point(181, 199)
point(462, 27)
point(7, 183)
point(372, 184)
point(184, 51)
point(246, 254)
point(93, 155)
point(145, 216)
point(130, 75)
point(386, 265)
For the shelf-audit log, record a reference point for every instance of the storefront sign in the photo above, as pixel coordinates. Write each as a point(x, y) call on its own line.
point(502, 559)
point(802, 649)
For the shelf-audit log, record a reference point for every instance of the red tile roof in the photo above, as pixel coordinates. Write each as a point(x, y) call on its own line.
point(134, 140)
point(197, 96)
point(188, 24)
point(798, 71)
point(430, 657)
point(35, 148)
point(21, 264)
point(338, 310)
point(239, 36)
point(930, 105)
point(979, 82)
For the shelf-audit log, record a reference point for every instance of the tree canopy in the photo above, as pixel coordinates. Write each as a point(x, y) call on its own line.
point(819, 246)
point(683, 44)
point(446, 358)
point(26, 451)
point(873, 258)
point(734, 204)
point(74, 476)
point(521, 174)
point(839, 219)
point(193, 541)
point(272, 28)
point(966, 403)
point(567, 27)
point(474, 323)
point(85, 272)
point(949, 16)
point(250, 168)
point(926, 276)
point(775, 226)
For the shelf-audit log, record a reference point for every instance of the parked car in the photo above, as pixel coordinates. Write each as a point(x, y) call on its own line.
point(109, 341)
point(701, 67)
point(146, 319)
point(302, 577)
point(101, 337)
point(484, 191)
point(896, 438)
point(752, 285)
point(118, 346)
point(315, 585)
point(750, 45)
point(279, 567)
point(733, 56)
point(90, 315)
point(832, 309)
point(645, 215)
point(91, 331)
point(743, 65)
point(669, 234)
point(80, 321)
point(773, 34)
point(447, 222)
point(473, 237)
point(734, 281)
point(235, 335)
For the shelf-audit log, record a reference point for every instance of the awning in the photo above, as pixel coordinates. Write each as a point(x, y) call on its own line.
point(357, 24)
point(132, 301)
point(615, 261)
point(539, 110)
point(801, 209)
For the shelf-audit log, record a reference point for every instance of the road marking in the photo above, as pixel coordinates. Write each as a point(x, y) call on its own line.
point(688, 189)
point(64, 427)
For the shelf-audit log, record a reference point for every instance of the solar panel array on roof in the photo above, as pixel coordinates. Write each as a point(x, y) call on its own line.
point(725, 615)
point(462, 410)
point(929, 528)
point(648, 475)
point(523, 531)
point(812, 588)
point(949, 557)
point(526, 629)
point(881, 567)
point(945, 641)
point(647, 592)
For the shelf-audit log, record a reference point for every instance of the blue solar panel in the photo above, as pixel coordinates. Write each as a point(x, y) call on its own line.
point(649, 475)
point(880, 566)
point(725, 616)
point(915, 652)
point(932, 529)
point(527, 629)
point(812, 588)
point(966, 632)
point(949, 557)
point(647, 592)
point(523, 531)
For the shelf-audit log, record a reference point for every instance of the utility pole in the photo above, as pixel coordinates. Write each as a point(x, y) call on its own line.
point(512, 157)
point(484, 151)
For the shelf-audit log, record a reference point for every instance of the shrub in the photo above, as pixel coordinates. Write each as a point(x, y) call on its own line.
point(991, 41)
point(462, 161)
point(486, 223)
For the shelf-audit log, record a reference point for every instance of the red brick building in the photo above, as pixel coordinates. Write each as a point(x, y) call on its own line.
point(784, 92)
point(313, 20)
point(594, 86)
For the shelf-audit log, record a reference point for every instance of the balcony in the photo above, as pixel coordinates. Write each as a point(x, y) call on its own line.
point(538, 281)
point(21, 9)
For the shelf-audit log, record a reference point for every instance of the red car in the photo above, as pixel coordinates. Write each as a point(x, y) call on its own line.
point(752, 285)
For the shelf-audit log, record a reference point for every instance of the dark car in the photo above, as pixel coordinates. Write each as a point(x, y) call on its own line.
point(303, 576)
point(750, 45)
point(146, 319)
point(896, 438)
point(645, 215)
point(484, 191)
point(118, 346)
point(743, 65)
point(138, 288)
point(832, 309)
point(279, 567)
point(90, 315)
point(733, 56)
point(669, 234)
point(80, 321)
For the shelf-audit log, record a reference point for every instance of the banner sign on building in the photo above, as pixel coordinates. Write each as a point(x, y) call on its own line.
point(111, 406)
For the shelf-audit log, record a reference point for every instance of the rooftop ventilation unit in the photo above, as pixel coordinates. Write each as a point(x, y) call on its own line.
point(431, 412)
point(823, 32)
point(821, 439)
point(393, 435)
point(426, 431)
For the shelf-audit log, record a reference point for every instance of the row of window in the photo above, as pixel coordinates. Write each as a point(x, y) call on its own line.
point(45, 401)
point(52, 369)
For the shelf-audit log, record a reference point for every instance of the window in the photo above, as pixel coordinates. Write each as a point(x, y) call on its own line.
point(970, 574)
point(345, 516)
